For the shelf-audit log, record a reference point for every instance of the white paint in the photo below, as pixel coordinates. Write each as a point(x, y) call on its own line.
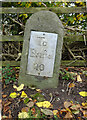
point(42, 50)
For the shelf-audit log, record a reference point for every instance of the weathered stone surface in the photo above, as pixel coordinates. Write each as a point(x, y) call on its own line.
point(43, 21)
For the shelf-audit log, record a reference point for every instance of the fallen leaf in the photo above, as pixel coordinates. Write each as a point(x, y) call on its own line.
point(38, 90)
point(30, 104)
point(83, 93)
point(67, 104)
point(79, 78)
point(23, 115)
point(47, 111)
point(39, 104)
point(25, 109)
point(71, 85)
point(55, 112)
point(18, 88)
point(84, 104)
point(75, 107)
point(26, 100)
point(10, 116)
point(4, 96)
point(23, 94)
point(4, 117)
point(33, 111)
point(45, 104)
point(75, 111)
point(68, 115)
point(68, 110)
point(14, 95)
point(85, 107)
point(7, 103)
point(63, 110)
point(6, 108)
point(85, 113)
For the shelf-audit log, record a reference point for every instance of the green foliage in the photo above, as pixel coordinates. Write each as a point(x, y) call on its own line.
point(66, 75)
point(38, 96)
point(72, 19)
point(8, 74)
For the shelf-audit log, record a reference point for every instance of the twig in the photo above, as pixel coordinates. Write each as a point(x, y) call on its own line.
point(51, 97)
point(69, 91)
point(17, 22)
point(74, 29)
point(9, 55)
point(71, 53)
point(44, 4)
point(19, 55)
point(84, 39)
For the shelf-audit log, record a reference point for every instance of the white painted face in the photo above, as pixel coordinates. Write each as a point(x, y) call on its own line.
point(42, 50)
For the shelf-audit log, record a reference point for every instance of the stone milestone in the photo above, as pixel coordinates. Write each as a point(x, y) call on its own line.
point(42, 47)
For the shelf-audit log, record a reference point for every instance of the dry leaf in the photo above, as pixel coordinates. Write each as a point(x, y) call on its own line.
point(71, 85)
point(33, 111)
point(30, 104)
point(47, 111)
point(84, 104)
point(4, 96)
point(23, 94)
point(6, 108)
point(55, 112)
point(7, 103)
point(67, 104)
point(45, 104)
point(25, 109)
point(83, 93)
point(14, 95)
point(75, 107)
point(76, 111)
point(23, 115)
point(38, 90)
point(85, 113)
point(79, 78)
point(63, 110)
point(68, 115)
point(10, 114)
point(18, 88)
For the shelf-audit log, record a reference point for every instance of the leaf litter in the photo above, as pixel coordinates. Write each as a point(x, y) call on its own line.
point(33, 106)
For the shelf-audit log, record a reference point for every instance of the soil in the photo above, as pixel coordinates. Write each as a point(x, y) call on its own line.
point(58, 95)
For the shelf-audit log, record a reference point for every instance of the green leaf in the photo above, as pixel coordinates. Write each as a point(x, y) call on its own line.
point(26, 100)
point(6, 81)
point(75, 111)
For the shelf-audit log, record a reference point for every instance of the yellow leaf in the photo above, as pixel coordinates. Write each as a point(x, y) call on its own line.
point(85, 113)
point(14, 95)
point(71, 85)
point(18, 88)
point(23, 94)
point(84, 104)
point(83, 93)
point(45, 104)
point(39, 104)
point(55, 112)
point(23, 115)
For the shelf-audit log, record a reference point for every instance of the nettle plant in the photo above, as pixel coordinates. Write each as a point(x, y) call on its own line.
point(8, 74)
